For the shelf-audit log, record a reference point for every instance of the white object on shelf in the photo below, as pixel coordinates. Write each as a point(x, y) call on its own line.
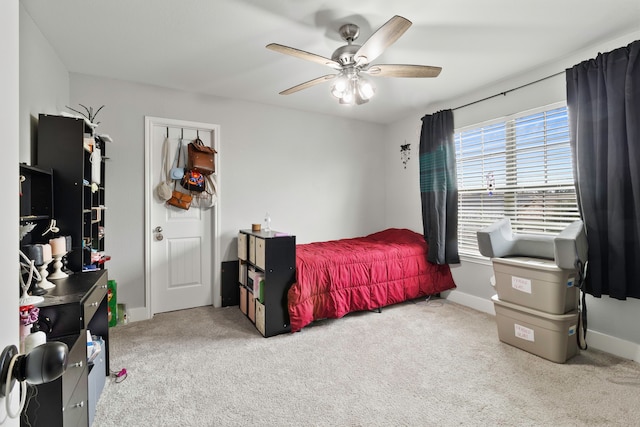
point(267, 223)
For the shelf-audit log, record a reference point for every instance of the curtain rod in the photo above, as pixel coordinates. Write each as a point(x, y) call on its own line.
point(507, 91)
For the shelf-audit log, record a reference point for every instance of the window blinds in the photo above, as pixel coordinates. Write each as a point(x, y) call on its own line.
point(518, 168)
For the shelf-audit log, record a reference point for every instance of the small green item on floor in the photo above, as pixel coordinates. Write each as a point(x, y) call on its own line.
point(113, 305)
point(122, 314)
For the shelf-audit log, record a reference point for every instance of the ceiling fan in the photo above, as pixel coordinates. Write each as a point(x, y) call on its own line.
point(351, 61)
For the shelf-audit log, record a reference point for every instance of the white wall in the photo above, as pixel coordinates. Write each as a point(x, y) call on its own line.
point(32, 80)
point(9, 101)
point(319, 177)
point(611, 322)
point(44, 83)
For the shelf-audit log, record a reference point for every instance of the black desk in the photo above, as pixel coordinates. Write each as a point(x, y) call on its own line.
point(77, 304)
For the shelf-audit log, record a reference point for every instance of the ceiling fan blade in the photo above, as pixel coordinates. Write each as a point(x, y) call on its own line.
point(308, 84)
point(397, 70)
point(384, 37)
point(304, 55)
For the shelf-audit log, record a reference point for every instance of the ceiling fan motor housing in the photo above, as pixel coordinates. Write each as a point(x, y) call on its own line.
point(349, 32)
point(344, 54)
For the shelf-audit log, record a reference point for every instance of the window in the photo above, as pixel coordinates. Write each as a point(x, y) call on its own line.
point(519, 168)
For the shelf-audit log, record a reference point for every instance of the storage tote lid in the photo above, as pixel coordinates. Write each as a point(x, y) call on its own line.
point(554, 317)
point(537, 263)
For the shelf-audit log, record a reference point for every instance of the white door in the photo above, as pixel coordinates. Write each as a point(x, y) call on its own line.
point(180, 243)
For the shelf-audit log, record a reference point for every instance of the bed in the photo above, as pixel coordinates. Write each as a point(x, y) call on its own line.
point(338, 277)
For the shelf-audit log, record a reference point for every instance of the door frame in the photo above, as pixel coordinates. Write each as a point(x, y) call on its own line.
point(150, 122)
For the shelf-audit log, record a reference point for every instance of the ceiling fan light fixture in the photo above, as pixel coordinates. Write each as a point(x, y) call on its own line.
point(340, 87)
point(366, 90)
point(349, 96)
point(353, 89)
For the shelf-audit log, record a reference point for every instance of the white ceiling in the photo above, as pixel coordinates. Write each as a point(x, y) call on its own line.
point(217, 47)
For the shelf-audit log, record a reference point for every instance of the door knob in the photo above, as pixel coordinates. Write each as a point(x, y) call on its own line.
point(158, 231)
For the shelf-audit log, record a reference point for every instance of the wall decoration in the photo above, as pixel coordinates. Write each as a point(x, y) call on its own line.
point(405, 153)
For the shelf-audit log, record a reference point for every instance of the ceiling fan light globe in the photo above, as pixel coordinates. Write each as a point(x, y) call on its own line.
point(347, 98)
point(366, 90)
point(340, 86)
point(343, 102)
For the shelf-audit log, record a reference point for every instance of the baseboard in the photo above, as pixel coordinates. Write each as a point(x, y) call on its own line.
point(596, 340)
point(472, 301)
point(137, 314)
point(613, 345)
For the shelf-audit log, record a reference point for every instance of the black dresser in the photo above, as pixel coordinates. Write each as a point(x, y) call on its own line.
point(77, 304)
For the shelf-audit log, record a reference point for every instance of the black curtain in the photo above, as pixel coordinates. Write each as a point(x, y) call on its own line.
point(603, 96)
point(438, 187)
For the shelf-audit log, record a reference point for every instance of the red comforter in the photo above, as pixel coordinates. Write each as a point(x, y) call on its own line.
point(341, 276)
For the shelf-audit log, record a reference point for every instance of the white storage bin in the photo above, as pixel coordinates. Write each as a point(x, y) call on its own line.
point(242, 246)
point(251, 309)
point(260, 317)
point(252, 249)
point(260, 254)
point(243, 299)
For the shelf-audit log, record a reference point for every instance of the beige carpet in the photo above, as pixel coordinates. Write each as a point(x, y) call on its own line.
point(414, 364)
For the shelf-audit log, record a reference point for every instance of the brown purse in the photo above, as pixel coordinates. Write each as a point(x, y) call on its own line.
point(180, 200)
point(201, 158)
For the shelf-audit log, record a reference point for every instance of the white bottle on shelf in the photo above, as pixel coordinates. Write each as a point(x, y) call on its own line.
point(267, 223)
